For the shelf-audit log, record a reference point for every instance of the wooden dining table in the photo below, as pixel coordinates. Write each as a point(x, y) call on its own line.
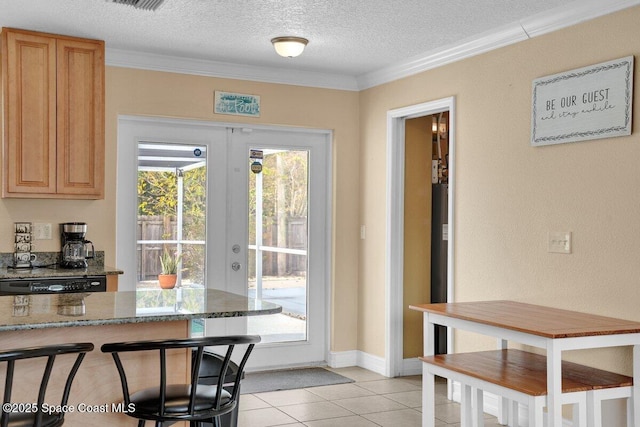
point(552, 329)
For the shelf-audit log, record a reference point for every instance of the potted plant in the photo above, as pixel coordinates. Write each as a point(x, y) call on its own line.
point(169, 275)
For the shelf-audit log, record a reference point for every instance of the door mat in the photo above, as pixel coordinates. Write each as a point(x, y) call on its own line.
point(258, 382)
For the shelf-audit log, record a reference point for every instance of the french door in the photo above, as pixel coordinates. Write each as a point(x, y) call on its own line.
point(266, 201)
point(278, 219)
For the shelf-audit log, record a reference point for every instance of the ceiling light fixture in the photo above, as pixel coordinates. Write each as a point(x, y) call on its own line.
point(289, 47)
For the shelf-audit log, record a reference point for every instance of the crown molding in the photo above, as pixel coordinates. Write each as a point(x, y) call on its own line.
point(438, 57)
point(572, 14)
point(201, 67)
point(537, 25)
point(556, 19)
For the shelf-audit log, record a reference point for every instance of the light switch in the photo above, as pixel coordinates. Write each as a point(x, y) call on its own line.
point(560, 242)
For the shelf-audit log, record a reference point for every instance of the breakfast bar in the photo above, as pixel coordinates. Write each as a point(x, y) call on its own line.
point(551, 329)
point(101, 317)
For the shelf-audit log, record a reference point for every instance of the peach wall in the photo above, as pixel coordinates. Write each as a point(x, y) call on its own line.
point(509, 195)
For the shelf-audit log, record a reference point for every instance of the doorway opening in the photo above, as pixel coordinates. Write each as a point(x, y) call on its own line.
point(425, 225)
point(420, 188)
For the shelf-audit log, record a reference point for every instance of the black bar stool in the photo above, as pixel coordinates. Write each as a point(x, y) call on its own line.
point(16, 415)
point(192, 402)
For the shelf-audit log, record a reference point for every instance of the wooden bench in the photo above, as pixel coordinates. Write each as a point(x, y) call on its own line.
point(521, 377)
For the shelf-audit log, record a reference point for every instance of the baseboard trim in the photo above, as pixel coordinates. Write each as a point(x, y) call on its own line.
point(344, 359)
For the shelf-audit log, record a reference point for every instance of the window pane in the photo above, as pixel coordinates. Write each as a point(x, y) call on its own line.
point(172, 188)
point(278, 244)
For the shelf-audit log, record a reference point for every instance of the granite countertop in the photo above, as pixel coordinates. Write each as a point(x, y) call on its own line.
point(20, 312)
point(40, 272)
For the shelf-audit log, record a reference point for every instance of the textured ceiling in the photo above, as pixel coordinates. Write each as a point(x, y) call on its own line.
point(354, 44)
point(347, 37)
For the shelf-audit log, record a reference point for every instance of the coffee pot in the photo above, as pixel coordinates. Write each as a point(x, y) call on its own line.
point(75, 249)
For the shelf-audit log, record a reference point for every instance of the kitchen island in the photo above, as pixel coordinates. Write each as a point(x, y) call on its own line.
point(101, 317)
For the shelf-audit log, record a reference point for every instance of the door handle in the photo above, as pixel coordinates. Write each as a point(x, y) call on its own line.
point(235, 266)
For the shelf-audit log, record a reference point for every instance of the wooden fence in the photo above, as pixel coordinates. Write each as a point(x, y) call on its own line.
point(273, 264)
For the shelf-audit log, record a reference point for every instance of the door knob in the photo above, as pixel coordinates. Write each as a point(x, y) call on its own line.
point(235, 266)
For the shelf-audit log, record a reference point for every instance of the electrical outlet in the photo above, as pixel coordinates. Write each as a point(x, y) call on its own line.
point(560, 242)
point(41, 231)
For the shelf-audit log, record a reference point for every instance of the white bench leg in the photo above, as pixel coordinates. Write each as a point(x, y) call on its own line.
point(580, 411)
point(594, 410)
point(428, 397)
point(514, 413)
point(630, 410)
point(596, 397)
point(503, 410)
point(465, 406)
point(478, 404)
point(536, 415)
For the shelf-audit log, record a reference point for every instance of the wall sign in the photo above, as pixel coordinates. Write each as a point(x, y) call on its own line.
point(236, 104)
point(587, 103)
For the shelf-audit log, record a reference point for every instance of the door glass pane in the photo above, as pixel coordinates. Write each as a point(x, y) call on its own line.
point(278, 199)
point(171, 218)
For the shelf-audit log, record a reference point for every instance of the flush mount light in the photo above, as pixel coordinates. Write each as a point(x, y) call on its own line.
point(289, 47)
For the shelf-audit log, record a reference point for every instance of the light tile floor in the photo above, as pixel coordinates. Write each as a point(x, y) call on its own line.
point(372, 400)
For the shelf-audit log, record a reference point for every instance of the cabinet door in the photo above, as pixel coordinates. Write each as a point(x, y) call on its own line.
point(29, 87)
point(80, 166)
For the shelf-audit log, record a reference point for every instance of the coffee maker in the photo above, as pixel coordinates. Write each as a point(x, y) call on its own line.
point(75, 249)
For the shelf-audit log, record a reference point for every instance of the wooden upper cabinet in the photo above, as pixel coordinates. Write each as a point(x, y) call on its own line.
point(53, 106)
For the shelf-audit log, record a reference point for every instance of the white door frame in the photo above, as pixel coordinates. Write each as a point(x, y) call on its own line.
point(394, 358)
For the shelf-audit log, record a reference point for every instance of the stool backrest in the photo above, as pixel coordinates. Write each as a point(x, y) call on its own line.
point(198, 345)
point(50, 352)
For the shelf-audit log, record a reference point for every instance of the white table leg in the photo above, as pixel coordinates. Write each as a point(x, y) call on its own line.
point(554, 384)
point(428, 379)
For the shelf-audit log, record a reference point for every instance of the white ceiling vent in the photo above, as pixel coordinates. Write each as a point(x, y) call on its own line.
point(141, 4)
